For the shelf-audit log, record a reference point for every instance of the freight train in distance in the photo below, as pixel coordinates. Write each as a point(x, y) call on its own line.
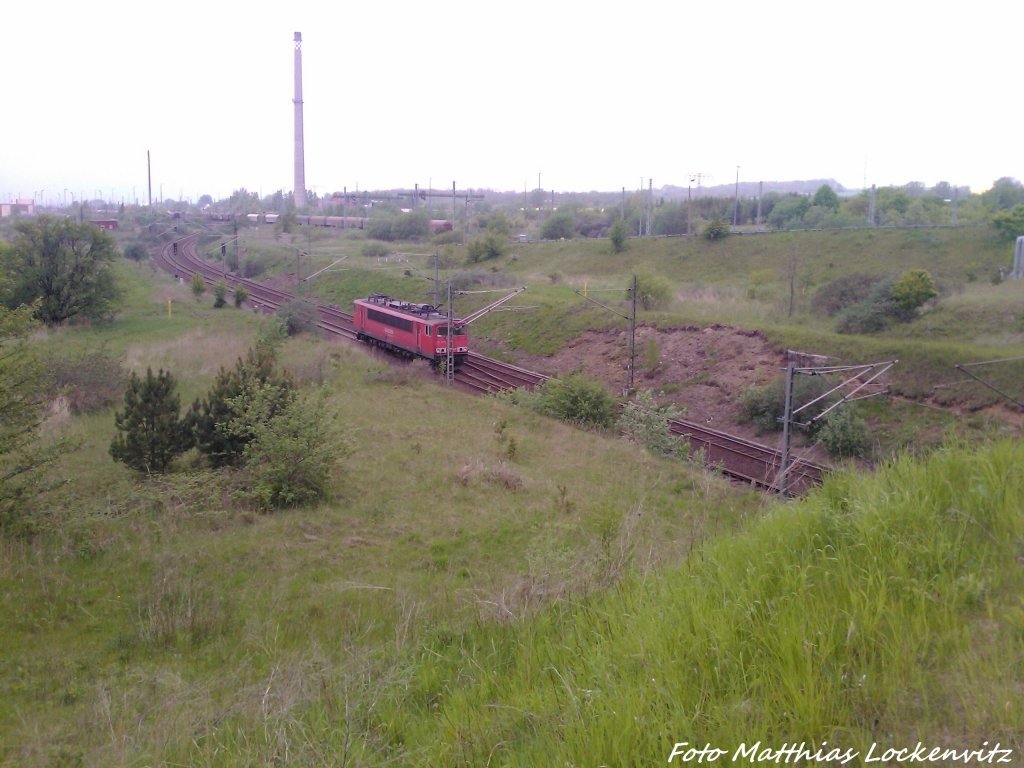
point(409, 329)
point(340, 222)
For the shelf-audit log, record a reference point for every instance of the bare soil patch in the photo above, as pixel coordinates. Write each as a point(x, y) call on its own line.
point(704, 370)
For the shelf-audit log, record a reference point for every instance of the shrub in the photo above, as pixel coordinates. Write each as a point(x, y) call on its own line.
point(298, 316)
point(870, 315)
point(765, 405)
point(652, 291)
point(578, 399)
point(150, 431)
point(220, 292)
point(716, 229)
point(646, 424)
point(450, 237)
point(211, 417)
point(834, 297)
point(558, 226)
point(844, 434)
point(912, 289)
point(618, 234)
point(198, 285)
point(379, 229)
point(136, 251)
point(91, 380)
point(289, 450)
point(241, 294)
point(762, 405)
point(490, 246)
point(652, 356)
point(375, 250)
point(410, 226)
point(253, 266)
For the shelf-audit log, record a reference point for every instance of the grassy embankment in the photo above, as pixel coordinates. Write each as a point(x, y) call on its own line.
point(883, 609)
point(154, 619)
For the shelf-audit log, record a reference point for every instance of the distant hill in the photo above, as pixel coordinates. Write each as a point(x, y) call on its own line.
point(749, 189)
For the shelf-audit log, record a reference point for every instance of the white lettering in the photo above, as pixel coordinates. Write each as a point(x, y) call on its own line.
point(709, 753)
point(743, 751)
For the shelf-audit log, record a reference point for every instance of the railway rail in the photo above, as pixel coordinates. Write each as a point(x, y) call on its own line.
point(734, 456)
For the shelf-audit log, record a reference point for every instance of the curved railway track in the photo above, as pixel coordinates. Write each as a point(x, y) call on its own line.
point(734, 456)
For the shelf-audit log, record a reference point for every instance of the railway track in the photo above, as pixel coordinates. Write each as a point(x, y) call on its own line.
point(734, 456)
point(184, 261)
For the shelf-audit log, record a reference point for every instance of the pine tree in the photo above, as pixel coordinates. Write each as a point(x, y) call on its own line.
point(150, 430)
point(211, 417)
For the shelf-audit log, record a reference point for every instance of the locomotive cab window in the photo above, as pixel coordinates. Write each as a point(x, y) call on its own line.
point(426, 329)
point(457, 330)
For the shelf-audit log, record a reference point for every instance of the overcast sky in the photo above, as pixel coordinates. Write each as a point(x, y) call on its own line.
point(590, 95)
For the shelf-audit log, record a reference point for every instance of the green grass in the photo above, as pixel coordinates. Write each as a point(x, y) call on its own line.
point(457, 602)
point(878, 609)
point(155, 620)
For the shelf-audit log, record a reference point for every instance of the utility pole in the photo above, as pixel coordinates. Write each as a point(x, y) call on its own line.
point(859, 377)
point(436, 293)
point(736, 205)
point(760, 193)
point(632, 339)
point(650, 202)
point(787, 420)
point(449, 367)
point(149, 177)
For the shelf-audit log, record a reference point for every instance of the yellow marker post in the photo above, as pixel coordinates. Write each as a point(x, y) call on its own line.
point(168, 306)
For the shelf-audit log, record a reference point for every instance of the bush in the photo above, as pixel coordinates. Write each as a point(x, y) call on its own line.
point(210, 418)
point(253, 266)
point(289, 451)
point(375, 250)
point(578, 399)
point(380, 229)
point(298, 316)
point(450, 237)
point(646, 424)
point(490, 246)
point(558, 226)
point(198, 285)
point(91, 380)
point(618, 234)
point(652, 291)
point(241, 294)
point(869, 315)
point(843, 292)
point(912, 289)
point(765, 405)
point(844, 434)
point(652, 356)
point(716, 229)
point(865, 317)
point(410, 226)
point(762, 405)
point(220, 292)
point(136, 251)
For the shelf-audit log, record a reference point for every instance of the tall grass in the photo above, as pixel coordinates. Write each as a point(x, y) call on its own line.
point(880, 609)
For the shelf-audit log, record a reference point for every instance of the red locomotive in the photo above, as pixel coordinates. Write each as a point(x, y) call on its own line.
point(412, 330)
